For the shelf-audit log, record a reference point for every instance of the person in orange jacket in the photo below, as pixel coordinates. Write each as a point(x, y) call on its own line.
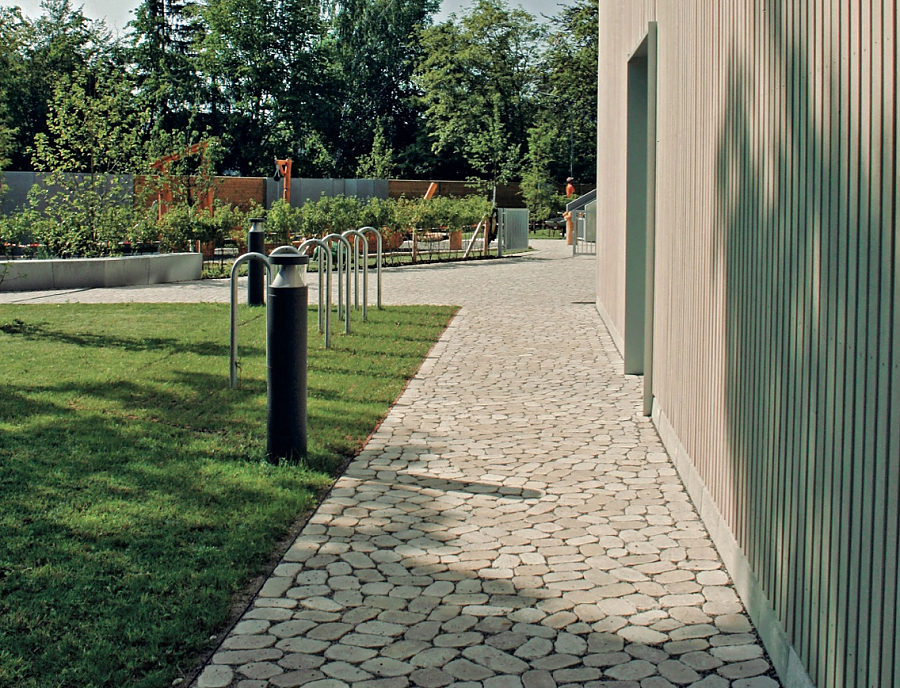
point(570, 187)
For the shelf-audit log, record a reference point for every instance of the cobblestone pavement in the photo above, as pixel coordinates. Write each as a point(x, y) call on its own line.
point(514, 522)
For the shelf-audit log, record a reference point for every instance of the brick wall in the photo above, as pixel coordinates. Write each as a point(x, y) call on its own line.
point(241, 191)
point(508, 196)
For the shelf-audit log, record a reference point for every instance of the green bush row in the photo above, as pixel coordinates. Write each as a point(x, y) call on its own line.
point(89, 225)
point(341, 213)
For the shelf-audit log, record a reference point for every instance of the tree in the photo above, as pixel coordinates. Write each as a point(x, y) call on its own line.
point(476, 77)
point(82, 205)
point(378, 163)
point(538, 188)
point(261, 63)
point(567, 92)
point(163, 54)
point(61, 42)
point(375, 46)
point(13, 33)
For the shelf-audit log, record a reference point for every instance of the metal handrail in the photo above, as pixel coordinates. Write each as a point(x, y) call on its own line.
point(240, 260)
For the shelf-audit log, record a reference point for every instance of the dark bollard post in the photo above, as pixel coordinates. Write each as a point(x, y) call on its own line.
point(286, 333)
point(256, 280)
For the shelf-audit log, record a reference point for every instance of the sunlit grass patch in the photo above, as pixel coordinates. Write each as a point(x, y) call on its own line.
point(135, 499)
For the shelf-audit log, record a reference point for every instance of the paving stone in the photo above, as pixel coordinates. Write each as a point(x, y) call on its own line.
point(431, 678)
point(366, 640)
point(712, 681)
point(434, 657)
point(260, 670)
point(732, 639)
point(215, 676)
point(425, 631)
point(538, 679)
point(733, 623)
point(496, 660)
point(344, 671)
point(459, 624)
point(304, 645)
point(493, 624)
point(652, 654)
point(248, 642)
point(330, 631)
point(737, 653)
point(387, 667)
point(465, 670)
point(577, 675)
point(641, 634)
point(382, 628)
point(568, 643)
point(678, 672)
point(271, 614)
point(682, 646)
point(657, 682)
point(534, 630)
point(294, 662)
point(297, 678)
point(634, 670)
point(458, 639)
point(607, 659)
point(404, 649)
point(554, 662)
point(251, 627)
point(695, 631)
point(701, 661)
point(246, 656)
point(534, 649)
point(754, 667)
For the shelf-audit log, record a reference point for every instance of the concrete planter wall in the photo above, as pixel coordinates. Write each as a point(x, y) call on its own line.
point(85, 273)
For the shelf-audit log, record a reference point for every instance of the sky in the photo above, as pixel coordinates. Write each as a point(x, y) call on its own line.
point(119, 12)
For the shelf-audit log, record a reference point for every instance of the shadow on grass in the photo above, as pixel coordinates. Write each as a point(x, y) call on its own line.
point(169, 345)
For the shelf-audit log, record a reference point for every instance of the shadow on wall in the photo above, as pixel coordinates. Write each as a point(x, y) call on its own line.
point(809, 247)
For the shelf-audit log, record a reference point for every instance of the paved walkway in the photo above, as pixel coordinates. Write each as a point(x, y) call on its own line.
point(514, 522)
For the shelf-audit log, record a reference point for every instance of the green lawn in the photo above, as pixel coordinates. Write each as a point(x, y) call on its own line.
point(135, 501)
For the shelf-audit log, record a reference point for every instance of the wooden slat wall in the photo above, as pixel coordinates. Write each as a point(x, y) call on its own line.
point(777, 336)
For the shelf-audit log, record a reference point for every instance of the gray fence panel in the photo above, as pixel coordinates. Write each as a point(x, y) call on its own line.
point(514, 230)
point(18, 184)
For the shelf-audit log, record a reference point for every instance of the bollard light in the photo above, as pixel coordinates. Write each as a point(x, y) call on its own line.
point(286, 355)
point(256, 280)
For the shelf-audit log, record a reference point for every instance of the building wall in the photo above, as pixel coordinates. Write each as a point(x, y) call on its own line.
point(775, 349)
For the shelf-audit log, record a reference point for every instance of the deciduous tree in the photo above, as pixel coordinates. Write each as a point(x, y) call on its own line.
point(477, 74)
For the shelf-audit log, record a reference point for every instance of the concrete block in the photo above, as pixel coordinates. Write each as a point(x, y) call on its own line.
point(78, 273)
point(175, 267)
point(129, 270)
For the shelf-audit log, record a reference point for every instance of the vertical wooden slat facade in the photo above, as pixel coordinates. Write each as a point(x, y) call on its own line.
point(776, 303)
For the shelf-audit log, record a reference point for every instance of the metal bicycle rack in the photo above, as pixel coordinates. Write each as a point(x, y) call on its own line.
point(359, 238)
point(286, 348)
point(323, 249)
point(342, 266)
point(378, 253)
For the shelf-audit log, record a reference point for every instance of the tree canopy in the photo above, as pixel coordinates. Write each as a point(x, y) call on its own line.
point(343, 87)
